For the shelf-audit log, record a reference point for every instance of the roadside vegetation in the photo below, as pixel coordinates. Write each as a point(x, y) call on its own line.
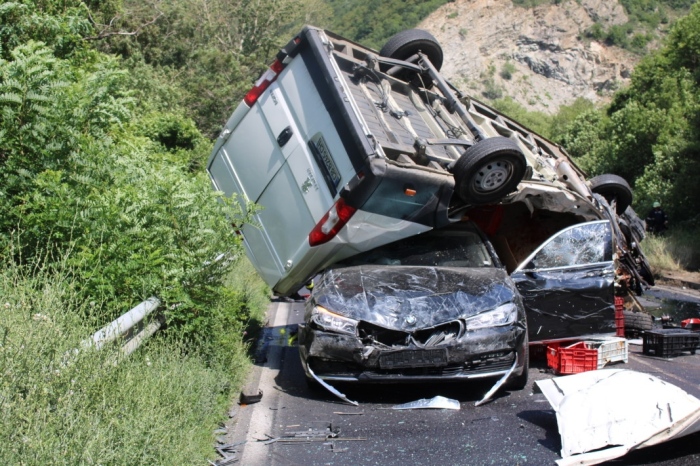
point(107, 114)
point(63, 403)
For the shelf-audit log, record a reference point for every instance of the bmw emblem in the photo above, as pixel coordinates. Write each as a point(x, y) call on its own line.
point(410, 320)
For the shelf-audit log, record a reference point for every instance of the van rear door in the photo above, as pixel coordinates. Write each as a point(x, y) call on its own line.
point(286, 155)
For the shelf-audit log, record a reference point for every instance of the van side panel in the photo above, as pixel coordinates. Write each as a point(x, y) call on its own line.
point(253, 151)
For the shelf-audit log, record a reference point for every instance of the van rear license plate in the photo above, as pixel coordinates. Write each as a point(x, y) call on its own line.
point(413, 358)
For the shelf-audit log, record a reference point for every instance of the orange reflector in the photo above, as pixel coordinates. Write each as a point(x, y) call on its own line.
point(409, 192)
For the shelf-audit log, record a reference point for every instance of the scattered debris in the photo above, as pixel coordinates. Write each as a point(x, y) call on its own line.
point(607, 413)
point(227, 453)
point(250, 394)
point(437, 402)
point(498, 384)
point(226, 461)
point(335, 449)
point(331, 389)
point(309, 435)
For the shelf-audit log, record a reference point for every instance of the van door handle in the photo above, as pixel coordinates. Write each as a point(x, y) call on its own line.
point(285, 136)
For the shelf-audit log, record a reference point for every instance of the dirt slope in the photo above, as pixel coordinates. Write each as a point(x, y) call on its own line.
point(550, 63)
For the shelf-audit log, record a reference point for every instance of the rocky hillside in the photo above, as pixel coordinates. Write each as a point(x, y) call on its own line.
point(538, 56)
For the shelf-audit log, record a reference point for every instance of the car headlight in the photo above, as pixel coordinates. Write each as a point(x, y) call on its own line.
point(502, 315)
point(333, 322)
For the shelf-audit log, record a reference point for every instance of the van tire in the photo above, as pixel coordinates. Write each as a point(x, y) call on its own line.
point(406, 43)
point(489, 170)
point(613, 187)
point(637, 321)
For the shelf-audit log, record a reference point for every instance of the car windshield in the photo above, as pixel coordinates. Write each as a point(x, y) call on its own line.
point(455, 246)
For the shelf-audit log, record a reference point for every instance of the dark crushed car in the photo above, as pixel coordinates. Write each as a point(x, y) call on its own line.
point(443, 306)
point(437, 306)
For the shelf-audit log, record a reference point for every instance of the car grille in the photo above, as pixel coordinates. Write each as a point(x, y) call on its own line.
point(441, 334)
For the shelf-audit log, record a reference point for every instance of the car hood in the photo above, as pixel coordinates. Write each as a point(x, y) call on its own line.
point(411, 298)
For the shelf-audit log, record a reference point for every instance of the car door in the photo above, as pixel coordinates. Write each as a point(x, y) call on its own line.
point(567, 283)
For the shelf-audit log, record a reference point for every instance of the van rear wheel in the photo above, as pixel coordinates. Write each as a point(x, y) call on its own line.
point(489, 170)
point(613, 188)
point(404, 45)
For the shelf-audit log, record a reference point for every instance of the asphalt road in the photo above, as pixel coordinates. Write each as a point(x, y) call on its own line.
point(516, 428)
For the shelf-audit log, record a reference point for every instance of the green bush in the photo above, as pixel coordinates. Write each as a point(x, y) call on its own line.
point(649, 133)
point(507, 71)
point(63, 403)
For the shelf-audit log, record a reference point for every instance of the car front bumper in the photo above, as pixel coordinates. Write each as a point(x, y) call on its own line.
point(483, 353)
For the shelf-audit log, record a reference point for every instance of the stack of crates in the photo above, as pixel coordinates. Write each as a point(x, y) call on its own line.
point(670, 342)
point(586, 355)
point(619, 316)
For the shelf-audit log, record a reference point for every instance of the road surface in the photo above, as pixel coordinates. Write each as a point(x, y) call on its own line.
point(516, 428)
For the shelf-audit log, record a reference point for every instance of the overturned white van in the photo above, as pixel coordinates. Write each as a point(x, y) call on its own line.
point(346, 149)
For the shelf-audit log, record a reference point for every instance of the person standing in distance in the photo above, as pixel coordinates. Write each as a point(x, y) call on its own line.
point(657, 220)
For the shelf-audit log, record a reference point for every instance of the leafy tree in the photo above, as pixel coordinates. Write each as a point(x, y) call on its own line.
point(649, 133)
point(372, 22)
point(114, 183)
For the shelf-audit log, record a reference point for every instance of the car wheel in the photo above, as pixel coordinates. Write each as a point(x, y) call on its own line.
point(407, 43)
point(637, 320)
point(520, 381)
point(489, 170)
point(613, 187)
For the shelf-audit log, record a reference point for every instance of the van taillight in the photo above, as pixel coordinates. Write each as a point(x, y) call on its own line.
point(331, 223)
point(263, 83)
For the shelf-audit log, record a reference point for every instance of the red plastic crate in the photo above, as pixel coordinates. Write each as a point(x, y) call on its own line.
point(572, 359)
point(619, 316)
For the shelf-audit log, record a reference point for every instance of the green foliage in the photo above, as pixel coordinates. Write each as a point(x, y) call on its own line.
point(84, 168)
point(675, 250)
point(649, 133)
point(372, 22)
point(566, 115)
point(645, 17)
point(596, 32)
point(207, 52)
point(507, 71)
point(491, 90)
point(536, 121)
point(64, 403)
point(62, 24)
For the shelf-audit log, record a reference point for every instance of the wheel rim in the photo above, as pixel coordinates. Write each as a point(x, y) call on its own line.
point(493, 176)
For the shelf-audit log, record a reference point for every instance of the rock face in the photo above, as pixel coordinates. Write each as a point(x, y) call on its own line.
point(538, 56)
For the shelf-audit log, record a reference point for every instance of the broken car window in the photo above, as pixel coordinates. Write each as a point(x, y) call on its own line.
point(450, 247)
point(588, 243)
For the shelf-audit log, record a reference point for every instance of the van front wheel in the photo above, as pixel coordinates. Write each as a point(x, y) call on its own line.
point(489, 170)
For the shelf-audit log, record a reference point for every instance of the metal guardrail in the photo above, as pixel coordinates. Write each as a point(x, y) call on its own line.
point(124, 324)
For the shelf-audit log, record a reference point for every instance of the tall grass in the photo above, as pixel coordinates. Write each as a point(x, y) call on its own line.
point(674, 251)
point(60, 406)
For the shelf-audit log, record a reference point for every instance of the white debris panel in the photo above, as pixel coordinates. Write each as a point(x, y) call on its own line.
point(607, 413)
